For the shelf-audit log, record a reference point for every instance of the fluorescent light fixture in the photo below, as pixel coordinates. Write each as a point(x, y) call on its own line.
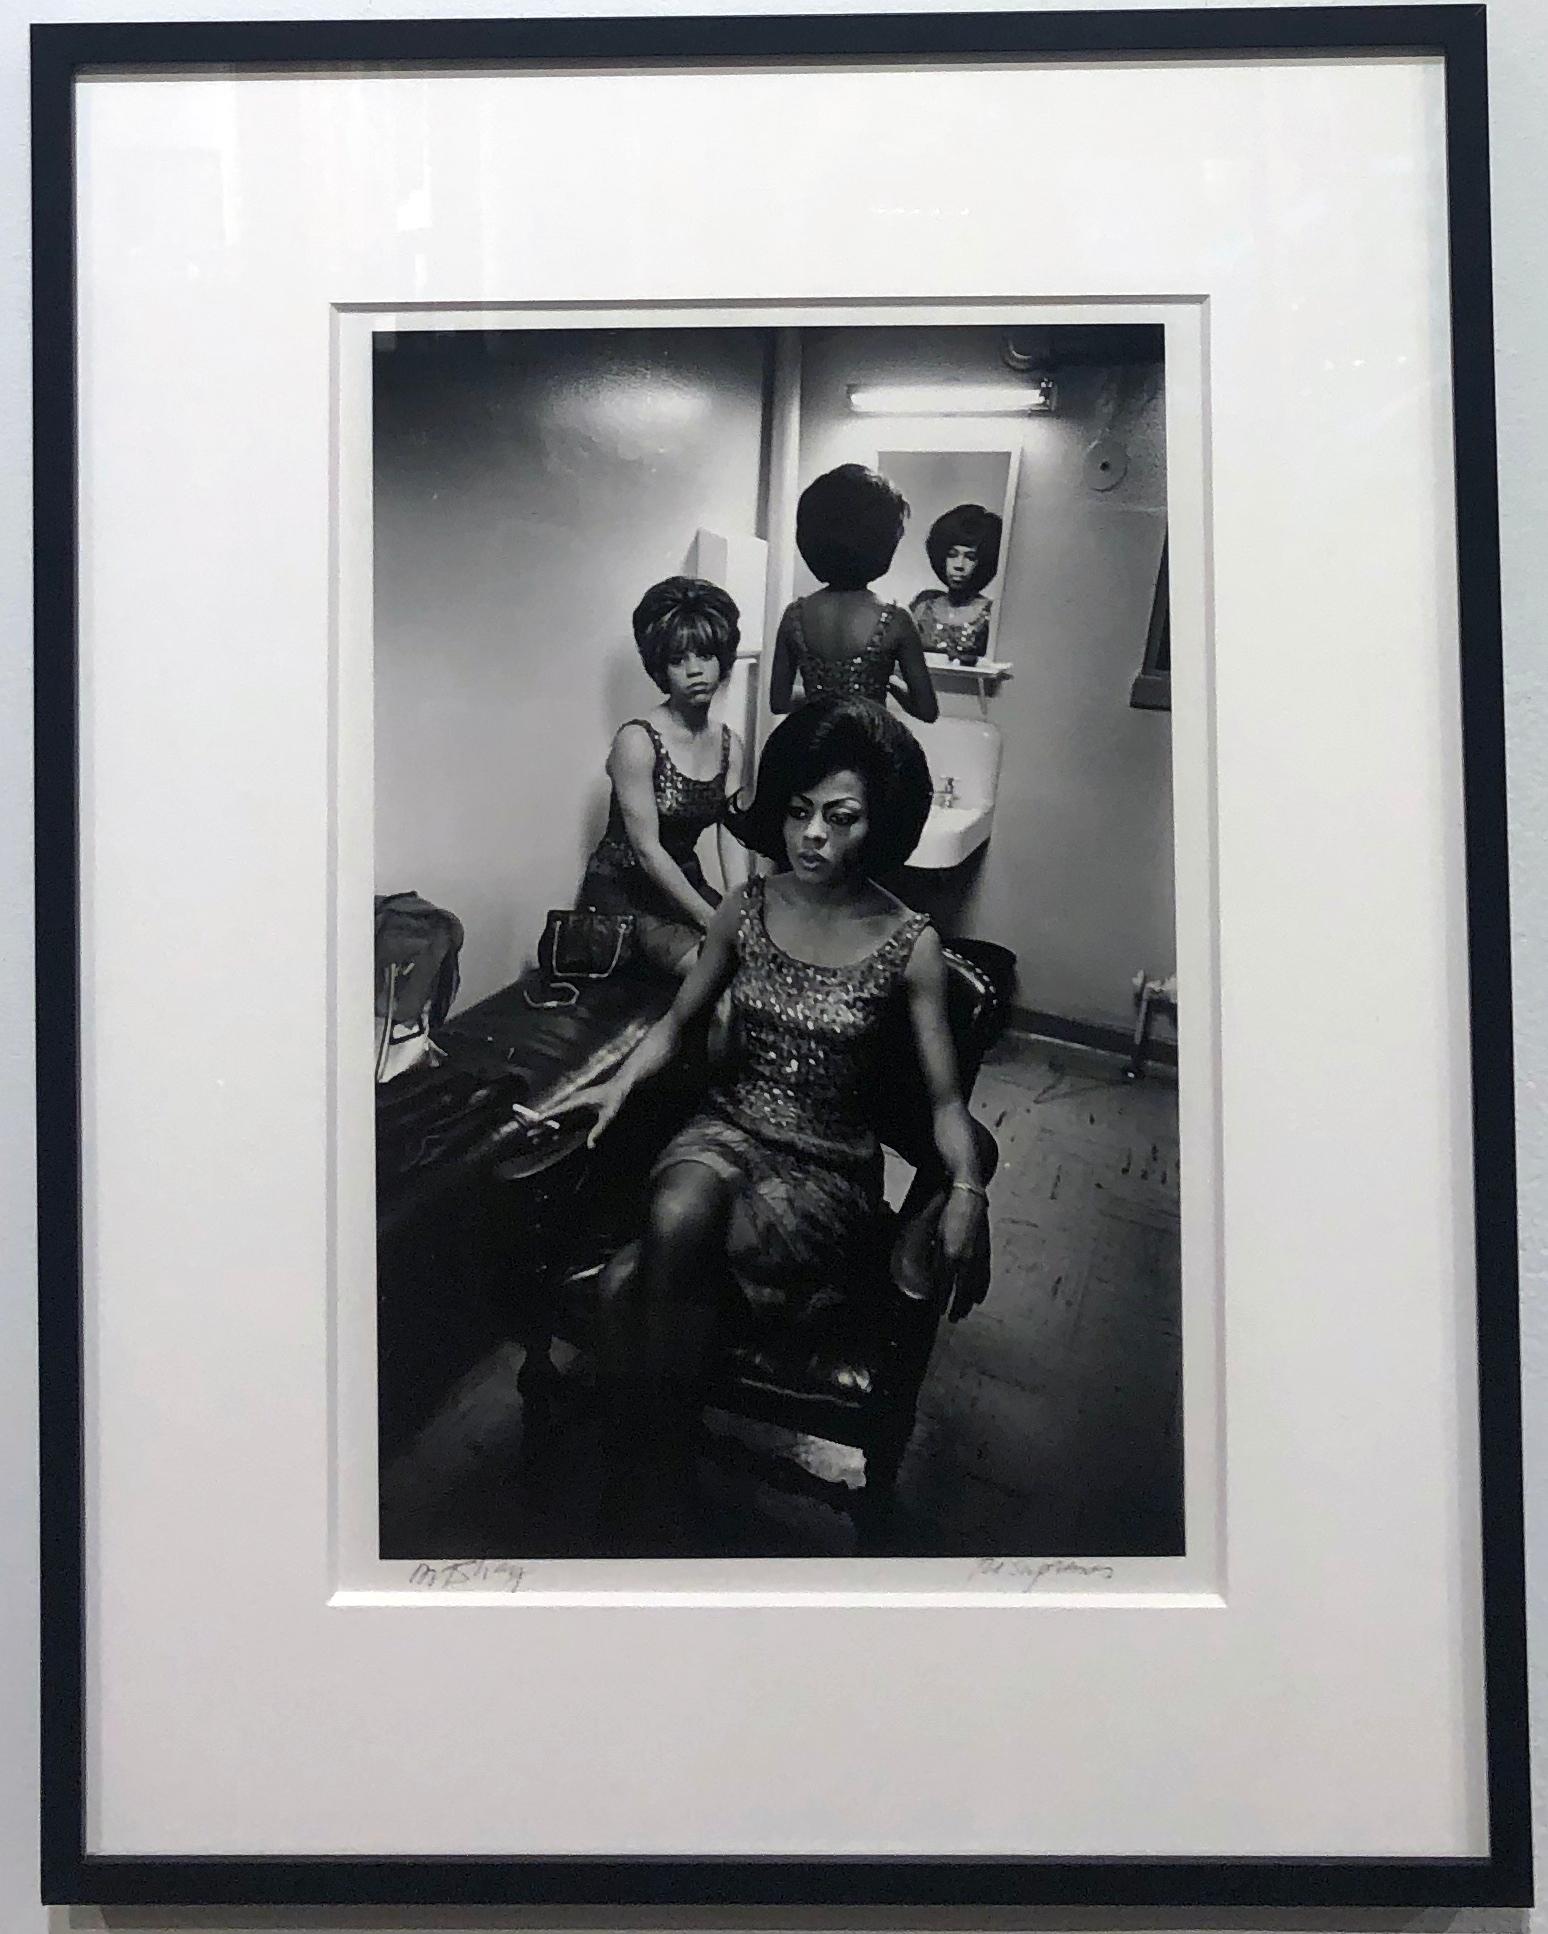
point(952, 399)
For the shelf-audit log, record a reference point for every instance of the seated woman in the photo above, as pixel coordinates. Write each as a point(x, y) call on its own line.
point(672, 773)
point(964, 549)
point(842, 638)
point(768, 1190)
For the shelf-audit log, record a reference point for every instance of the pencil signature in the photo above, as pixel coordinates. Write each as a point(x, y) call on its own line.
point(469, 1574)
point(1025, 1573)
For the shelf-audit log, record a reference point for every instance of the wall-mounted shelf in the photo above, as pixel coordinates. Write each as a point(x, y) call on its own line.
point(984, 672)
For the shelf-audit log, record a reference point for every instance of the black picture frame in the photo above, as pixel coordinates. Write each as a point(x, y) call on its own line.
point(71, 1873)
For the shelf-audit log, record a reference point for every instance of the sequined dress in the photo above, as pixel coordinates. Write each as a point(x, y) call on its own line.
point(863, 673)
point(615, 881)
point(788, 1125)
point(964, 639)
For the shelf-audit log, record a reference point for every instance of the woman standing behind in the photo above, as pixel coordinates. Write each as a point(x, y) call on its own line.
point(672, 773)
point(842, 640)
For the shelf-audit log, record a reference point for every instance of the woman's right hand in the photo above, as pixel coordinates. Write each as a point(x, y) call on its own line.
point(605, 1098)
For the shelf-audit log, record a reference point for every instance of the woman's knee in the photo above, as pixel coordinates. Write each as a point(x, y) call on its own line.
point(687, 1205)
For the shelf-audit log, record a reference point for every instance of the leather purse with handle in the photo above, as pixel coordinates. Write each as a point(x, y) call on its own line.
point(579, 945)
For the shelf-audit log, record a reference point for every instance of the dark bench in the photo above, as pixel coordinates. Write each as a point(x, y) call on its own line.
point(461, 1222)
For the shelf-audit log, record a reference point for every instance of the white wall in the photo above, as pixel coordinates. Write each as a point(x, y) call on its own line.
point(1520, 66)
point(524, 501)
point(1077, 876)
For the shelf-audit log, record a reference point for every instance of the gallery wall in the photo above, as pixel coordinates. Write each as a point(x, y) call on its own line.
point(1077, 876)
point(528, 489)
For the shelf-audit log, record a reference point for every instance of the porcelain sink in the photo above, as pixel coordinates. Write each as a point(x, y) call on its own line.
point(951, 834)
point(964, 757)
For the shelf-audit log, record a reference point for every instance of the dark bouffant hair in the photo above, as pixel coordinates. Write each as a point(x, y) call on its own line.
point(966, 524)
point(680, 614)
point(828, 735)
point(849, 523)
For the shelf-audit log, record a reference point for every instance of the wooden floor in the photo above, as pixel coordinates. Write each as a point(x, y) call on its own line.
point(1050, 1421)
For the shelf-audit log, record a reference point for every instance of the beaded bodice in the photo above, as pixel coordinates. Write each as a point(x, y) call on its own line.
point(685, 808)
point(806, 1038)
point(857, 674)
point(939, 630)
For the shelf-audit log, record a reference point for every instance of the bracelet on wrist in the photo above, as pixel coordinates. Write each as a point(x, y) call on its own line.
point(973, 1188)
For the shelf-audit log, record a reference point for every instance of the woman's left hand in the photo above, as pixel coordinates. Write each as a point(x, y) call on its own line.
point(962, 1222)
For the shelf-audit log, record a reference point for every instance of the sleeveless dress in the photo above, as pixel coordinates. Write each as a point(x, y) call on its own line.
point(863, 673)
point(787, 1123)
point(961, 638)
point(615, 881)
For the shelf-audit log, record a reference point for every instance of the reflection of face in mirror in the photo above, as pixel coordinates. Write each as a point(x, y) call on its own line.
point(964, 548)
point(960, 563)
point(951, 553)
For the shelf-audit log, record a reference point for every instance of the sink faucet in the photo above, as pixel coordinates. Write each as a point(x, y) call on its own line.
point(946, 793)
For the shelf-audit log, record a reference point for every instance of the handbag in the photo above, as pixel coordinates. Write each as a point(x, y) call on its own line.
point(578, 944)
point(417, 976)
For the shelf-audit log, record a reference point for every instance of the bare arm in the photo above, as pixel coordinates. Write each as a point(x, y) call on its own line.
point(631, 765)
point(782, 675)
point(926, 984)
point(962, 1218)
point(918, 690)
point(735, 860)
point(702, 986)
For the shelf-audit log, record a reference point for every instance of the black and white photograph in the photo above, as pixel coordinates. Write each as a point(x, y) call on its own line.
point(775, 970)
point(816, 733)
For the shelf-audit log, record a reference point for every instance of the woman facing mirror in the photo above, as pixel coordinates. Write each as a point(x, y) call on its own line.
point(842, 640)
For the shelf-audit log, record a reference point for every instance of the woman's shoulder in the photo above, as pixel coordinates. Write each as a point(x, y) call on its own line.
point(747, 897)
point(903, 917)
point(636, 745)
point(729, 920)
point(923, 951)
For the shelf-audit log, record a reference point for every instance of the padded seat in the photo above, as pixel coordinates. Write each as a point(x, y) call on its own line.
point(500, 1064)
point(552, 1052)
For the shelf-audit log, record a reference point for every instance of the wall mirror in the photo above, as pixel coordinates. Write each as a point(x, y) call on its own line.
point(963, 498)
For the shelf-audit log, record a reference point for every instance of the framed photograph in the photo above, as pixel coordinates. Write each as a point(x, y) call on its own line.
point(776, 1127)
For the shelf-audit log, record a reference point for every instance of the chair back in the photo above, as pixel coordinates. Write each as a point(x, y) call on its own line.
point(903, 1115)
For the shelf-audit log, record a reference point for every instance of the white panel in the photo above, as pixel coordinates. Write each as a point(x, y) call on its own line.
point(1329, 1704)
